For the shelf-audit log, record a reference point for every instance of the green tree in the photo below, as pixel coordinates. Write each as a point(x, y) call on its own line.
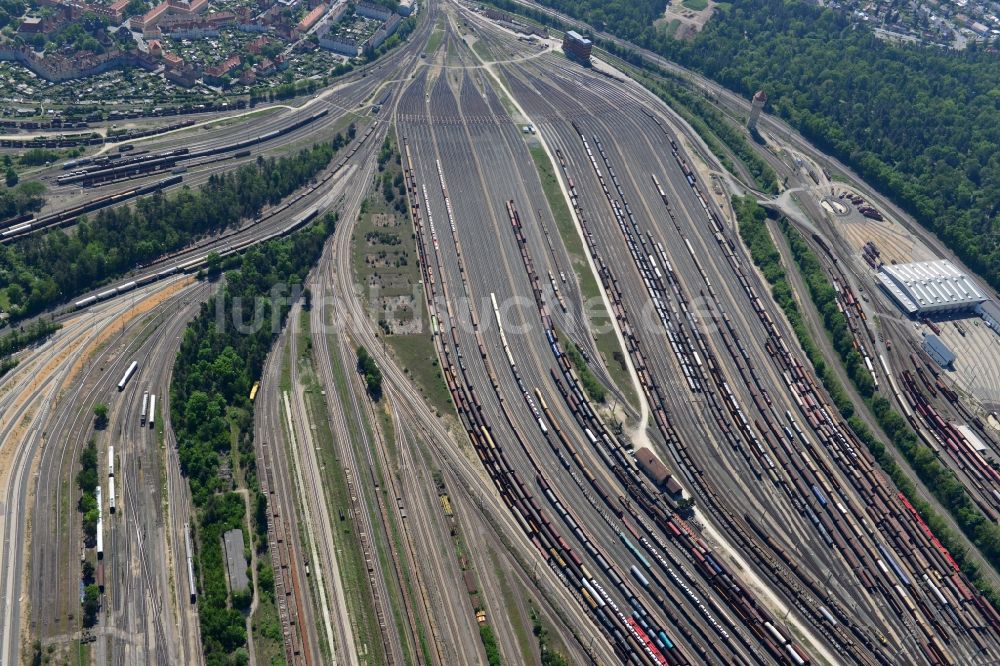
point(685, 508)
point(11, 177)
point(87, 477)
point(91, 604)
point(15, 294)
point(214, 263)
point(371, 373)
point(90, 519)
point(100, 416)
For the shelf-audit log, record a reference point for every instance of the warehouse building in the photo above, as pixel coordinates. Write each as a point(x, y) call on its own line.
point(577, 46)
point(930, 288)
point(990, 312)
point(236, 564)
point(939, 351)
point(657, 472)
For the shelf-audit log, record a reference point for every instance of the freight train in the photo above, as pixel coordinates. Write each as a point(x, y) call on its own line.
point(15, 228)
point(88, 139)
point(169, 159)
point(199, 262)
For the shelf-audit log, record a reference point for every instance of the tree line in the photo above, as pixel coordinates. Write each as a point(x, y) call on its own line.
point(936, 476)
point(920, 123)
point(22, 337)
point(370, 372)
point(824, 297)
point(212, 416)
point(985, 535)
point(47, 268)
point(24, 198)
point(87, 481)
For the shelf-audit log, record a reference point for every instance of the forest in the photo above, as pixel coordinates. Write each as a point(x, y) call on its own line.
point(212, 416)
point(921, 124)
point(625, 18)
point(24, 198)
point(51, 267)
point(23, 337)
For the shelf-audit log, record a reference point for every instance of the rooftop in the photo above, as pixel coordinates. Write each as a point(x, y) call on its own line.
point(938, 351)
point(235, 563)
point(311, 18)
point(656, 470)
point(930, 286)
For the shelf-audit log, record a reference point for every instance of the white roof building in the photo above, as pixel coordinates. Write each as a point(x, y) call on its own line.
point(930, 287)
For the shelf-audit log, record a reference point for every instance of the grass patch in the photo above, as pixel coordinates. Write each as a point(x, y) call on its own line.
point(695, 5)
point(265, 624)
point(417, 357)
point(550, 648)
point(286, 368)
point(384, 251)
point(590, 290)
point(508, 105)
point(592, 387)
point(395, 593)
point(386, 268)
point(482, 50)
point(389, 434)
point(513, 612)
point(489, 639)
point(350, 560)
point(564, 222)
point(382, 547)
point(434, 42)
point(233, 120)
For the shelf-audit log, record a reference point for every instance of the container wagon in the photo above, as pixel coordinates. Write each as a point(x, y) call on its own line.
point(152, 411)
point(128, 375)
point(100, 525)
point(190, 563)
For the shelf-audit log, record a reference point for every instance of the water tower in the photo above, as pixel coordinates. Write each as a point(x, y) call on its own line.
point(757, 104)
